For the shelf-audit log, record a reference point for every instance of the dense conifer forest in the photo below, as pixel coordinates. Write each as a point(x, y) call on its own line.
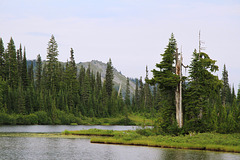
point(53, 92)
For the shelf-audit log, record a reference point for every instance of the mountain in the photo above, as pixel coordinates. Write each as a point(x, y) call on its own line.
point(98, 66)
point(119, 79)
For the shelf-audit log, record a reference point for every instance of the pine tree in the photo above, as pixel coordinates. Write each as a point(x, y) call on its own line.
point(109, 78)
point(13, 79)
point(148, 96)
point(203, 85)
point(167, 80)
point(2, 60)
point(232, 96)
point(52, 64)
point(98, 83)
point(3, 86)
point(238, 95)
point(71, 81)
point(137, 97)
point(21, 100)
point(19, 61)
point(24, 71)
point(141, 91)
point(31, 74)
point(38, 72)
point(127, 96)
point(225, 91)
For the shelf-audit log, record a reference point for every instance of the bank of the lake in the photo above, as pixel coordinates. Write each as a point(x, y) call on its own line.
point(41, 118)
point(195, 141)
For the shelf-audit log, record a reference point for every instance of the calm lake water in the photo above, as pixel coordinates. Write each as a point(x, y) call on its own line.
point(67, 148)
point(58, 128)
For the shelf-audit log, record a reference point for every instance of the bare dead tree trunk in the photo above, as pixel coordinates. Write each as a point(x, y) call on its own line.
point(178, 92)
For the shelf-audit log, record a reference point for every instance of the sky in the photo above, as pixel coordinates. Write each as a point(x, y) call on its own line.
point(133, 33)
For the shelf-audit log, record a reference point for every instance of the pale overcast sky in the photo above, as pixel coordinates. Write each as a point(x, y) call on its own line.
point(133, 33)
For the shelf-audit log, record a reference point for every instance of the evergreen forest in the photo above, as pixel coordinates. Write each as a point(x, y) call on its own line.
point(53, 92)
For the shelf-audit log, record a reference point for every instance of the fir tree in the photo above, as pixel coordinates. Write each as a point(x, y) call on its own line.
point(167, 80)
point(13, 79)
point(38, 72)
point(141, 91)
point(31, 74)
point(225, 91)
point(24, 71)
point(238, 95)
point(52, 64)
point(127, 96)
point(137, 97)
point(203, 84)
point(148, 95)
point(2, 60)
point(109, 78)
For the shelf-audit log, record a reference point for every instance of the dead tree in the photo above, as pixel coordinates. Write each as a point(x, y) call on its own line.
point(178, 92)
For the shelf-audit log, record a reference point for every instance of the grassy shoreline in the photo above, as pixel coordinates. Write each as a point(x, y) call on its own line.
point(197, 141)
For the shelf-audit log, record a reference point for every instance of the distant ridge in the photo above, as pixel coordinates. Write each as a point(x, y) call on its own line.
point(98, 66)
point(119, 78)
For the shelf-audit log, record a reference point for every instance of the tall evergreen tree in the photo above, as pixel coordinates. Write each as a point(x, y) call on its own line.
point(19, 61)
point(203, 84)
point(137, 97)
point(141, 92)
point(225, 91)
point(52, 64)
point(2, 60)
point(13, 79)
point(109, 78)
point(167, 80)
point(31, 74)
point(38, 72)
point(148, 96)
point(238, 95)
point(127, 96)
point(24, 70)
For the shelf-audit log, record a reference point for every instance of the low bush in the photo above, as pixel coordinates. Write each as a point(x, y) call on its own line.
point(42, 117)
point(145, 132)
point(31, 119)
point(123, 121)
point(6, 119)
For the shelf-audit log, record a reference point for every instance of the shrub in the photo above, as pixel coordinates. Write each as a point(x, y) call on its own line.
point(66, 132)
point(42, 117)
point(123, 121)
point(7, 119)
point(63, 117)
point(145, 132)
point(31, 119)
point(71, 118)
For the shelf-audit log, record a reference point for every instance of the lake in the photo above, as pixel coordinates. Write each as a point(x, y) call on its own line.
point(68, 148)
point(58, 128)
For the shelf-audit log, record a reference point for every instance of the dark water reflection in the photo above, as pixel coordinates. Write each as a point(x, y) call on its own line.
point(60, 148)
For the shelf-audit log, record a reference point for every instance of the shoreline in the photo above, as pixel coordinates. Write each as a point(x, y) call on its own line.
point(131, 138)
point(177, 146)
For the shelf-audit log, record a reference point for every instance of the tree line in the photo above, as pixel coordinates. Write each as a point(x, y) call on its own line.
point(209, 104)
point(53, 92)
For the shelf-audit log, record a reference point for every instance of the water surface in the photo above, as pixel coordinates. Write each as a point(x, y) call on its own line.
point(46, 148)
point(58, 128)
point(74, 149)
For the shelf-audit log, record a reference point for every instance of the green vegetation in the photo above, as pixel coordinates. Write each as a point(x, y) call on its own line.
point(47, 135)
point(146, 137)
point(42, 118)
point(53, 92)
